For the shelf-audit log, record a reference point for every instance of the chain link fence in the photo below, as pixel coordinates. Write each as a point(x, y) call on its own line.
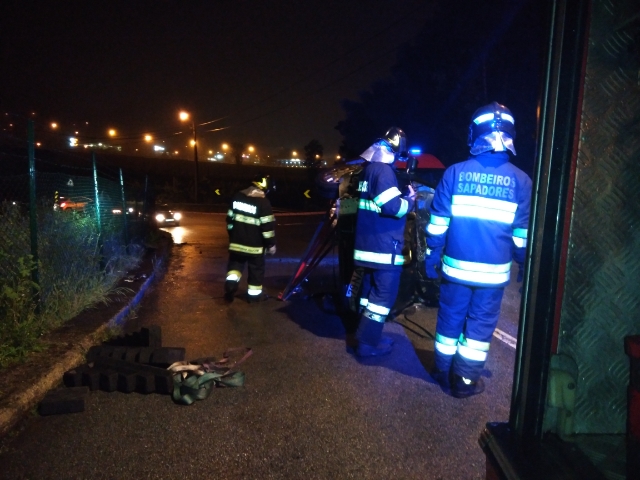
point(68, 233)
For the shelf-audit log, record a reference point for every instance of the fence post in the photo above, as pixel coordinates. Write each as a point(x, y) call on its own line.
point(97, 197)
point(33, 222)
point(124, 210)
point(145, 204)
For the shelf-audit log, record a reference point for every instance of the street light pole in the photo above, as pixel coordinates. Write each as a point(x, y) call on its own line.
point(185, 116)
point(195, 158)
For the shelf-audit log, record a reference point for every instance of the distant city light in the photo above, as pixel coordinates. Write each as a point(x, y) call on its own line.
point(54, 125)
point(112, 132)
point(73, 142)
point(148, 138)
point(158, 148)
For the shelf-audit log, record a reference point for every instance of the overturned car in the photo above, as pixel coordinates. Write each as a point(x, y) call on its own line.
point(339, 184)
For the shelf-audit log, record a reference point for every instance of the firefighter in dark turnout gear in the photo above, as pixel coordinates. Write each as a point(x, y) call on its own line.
point(479, 221)
point(379, 241)
point(251, 228)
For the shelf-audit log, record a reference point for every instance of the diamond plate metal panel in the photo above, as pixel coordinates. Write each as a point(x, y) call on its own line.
point(601, 303)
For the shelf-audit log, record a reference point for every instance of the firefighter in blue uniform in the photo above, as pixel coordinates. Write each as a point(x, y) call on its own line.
point(478, 225)
point(251, 228)
point(379, 240)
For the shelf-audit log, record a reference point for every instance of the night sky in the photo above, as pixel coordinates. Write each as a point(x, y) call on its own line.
point(268, 73)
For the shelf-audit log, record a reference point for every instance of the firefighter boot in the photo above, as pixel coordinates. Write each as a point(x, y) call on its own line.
point(463, 387)
point(369, 336)
point(443, 378)
point(261, 297)
point(230, 288)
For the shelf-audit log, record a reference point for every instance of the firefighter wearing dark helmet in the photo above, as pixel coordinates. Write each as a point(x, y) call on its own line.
point(251, 228)
point(478, 225)
point(379, 239)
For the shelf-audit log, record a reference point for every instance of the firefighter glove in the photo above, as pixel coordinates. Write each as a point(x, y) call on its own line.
point(432, 263)
point(271, 250)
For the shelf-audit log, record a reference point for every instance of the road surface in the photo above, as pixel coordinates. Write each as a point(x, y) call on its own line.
point(308, 410)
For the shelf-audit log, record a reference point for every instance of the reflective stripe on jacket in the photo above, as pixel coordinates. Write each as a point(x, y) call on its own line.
point(480, 215)
point(381, 219)
point(250, 222)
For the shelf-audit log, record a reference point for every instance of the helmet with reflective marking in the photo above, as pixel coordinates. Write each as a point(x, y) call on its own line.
point(263, 182)
point(492, 127)
point(396, 139)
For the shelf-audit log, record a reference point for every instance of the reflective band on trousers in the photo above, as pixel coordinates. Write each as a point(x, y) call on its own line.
point(471, 353)
point(236, 247)
point(387, 195)
point(381, 258)
point(234, 276)
point(491, 274)
point(254, 289)
point(379, 309)
point(446, 349)
point(376, 317)
point(483, 208)
point(475, 344)
point(270, 234)
point(446, 345)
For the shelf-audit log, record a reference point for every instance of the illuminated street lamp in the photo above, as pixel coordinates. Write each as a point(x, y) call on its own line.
point(112, 132)
point(184, 116)
point(148, 138)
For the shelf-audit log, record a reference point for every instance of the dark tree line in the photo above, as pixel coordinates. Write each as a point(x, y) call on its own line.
point(469, 54)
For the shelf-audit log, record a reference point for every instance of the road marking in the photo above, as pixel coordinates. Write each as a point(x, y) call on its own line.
point(505, 338)
point(277, 214)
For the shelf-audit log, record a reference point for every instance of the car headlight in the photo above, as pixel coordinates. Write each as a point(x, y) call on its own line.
point(160, 217)
point(177, 215)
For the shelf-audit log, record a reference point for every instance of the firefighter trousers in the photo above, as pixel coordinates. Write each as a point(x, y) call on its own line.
point(235, 267)
point(378, 290)
point(467, 319)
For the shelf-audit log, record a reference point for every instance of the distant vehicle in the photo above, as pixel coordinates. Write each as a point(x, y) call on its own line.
point(71, 204)
point(166, 217)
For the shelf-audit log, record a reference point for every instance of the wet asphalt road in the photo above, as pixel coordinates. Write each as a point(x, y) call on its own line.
point(309, 409)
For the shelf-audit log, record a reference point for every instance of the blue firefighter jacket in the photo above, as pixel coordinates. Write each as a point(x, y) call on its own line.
point(480, 215)
point(381, 219)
